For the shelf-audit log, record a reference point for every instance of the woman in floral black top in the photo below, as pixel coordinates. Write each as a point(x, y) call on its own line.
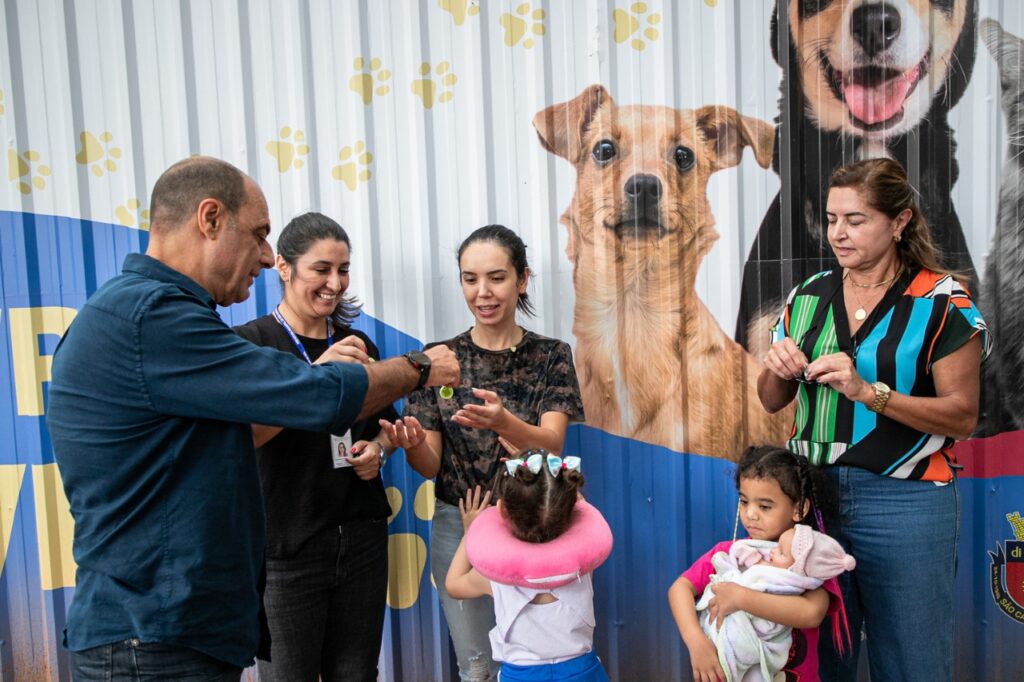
point(516, 385)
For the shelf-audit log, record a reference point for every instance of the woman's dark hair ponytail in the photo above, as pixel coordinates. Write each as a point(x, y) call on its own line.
point(299, 236)
point(516, 250)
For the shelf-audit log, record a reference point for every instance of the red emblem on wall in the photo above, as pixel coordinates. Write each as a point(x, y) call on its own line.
point(1008, 571)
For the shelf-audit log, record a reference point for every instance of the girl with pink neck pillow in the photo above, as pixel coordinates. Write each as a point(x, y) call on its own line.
point(534, 553)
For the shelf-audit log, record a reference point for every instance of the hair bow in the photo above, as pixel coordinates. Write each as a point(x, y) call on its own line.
point(533, 463)
point(556, 464)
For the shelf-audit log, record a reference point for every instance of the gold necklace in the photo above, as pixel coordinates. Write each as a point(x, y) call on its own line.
point(875, 284)
point(860, 313)
point(512, 347)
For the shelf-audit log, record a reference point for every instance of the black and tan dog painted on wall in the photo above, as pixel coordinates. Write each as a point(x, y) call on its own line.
point(861, 79)
point(653, 363)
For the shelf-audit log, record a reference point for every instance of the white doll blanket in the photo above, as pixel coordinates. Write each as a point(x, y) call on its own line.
point(751, 648)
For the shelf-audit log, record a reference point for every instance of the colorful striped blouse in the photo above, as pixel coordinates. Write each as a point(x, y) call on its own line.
point(923, 317)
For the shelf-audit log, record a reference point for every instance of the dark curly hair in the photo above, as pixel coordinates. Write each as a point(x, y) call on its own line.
point(538, 507)
point(800, 480)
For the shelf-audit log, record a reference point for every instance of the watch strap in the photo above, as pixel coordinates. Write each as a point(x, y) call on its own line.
point(414, 358)
point(882, 392)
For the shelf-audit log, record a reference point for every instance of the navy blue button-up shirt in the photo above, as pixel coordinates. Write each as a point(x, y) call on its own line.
point(150, 407)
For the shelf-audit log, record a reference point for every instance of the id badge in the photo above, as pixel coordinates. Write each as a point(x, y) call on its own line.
point(340, 447)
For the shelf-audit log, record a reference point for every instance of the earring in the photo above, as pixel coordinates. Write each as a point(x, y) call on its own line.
point(736, 523)
point(897, 237)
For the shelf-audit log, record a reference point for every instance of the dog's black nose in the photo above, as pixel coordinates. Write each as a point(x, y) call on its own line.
point(644, 189)
point(875, 27)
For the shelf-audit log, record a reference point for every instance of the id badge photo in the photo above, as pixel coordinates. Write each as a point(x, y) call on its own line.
point(341, 446)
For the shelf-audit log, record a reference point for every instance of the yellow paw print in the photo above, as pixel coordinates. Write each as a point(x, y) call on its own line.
point(288, 149)
point(26, 171)
point(426, 88)
point(349, 170)
point(710, 3)
point(460, 9)
point(516, 26)
point(628, 23)
point(3, 109)
point(98, 153)
point(407, 552)
point(363, 83)
point(129, 215)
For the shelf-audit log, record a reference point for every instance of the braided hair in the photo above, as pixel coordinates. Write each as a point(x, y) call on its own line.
point(801, 481)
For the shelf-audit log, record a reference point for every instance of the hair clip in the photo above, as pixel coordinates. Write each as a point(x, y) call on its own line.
point(556, 464)
point(533, 463)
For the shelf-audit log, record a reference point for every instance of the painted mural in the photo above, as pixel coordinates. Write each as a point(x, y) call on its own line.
point(412, 123)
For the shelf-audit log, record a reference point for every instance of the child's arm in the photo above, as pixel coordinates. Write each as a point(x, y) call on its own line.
point(799, 611)
point(703, 654)
point(463, 581)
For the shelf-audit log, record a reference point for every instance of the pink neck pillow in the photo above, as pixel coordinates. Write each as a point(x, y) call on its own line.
point(499, 556)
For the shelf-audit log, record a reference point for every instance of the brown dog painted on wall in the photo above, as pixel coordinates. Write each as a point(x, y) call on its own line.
point(653, 363)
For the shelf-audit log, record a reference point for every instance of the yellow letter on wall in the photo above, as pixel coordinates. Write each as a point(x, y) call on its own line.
point(10, 487)
point(55, 528)
point(30, 368)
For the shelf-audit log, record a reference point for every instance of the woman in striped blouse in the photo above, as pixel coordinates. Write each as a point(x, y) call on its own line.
point(882, 356)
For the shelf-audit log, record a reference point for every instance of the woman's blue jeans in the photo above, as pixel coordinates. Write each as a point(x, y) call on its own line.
point(904, 536)
point(469, 620)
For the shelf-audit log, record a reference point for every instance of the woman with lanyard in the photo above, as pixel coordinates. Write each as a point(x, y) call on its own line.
point(882, 356)
point(518, 389)
point(327, 559)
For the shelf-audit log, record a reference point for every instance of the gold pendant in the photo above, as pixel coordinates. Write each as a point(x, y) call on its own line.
point(859, 313)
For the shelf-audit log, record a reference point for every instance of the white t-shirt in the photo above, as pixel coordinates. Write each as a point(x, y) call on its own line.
point(535, 634)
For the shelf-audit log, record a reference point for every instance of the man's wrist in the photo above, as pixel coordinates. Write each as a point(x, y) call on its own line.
point(419, 361)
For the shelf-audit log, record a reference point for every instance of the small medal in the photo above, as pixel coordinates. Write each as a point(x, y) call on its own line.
point(447, 392)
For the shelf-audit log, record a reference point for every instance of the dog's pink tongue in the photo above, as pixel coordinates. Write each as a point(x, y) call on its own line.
point(874, 104)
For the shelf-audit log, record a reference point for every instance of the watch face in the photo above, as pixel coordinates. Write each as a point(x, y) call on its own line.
point(418, 358)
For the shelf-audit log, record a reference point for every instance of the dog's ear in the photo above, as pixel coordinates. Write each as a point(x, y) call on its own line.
point(730, 132)
point(561, 127)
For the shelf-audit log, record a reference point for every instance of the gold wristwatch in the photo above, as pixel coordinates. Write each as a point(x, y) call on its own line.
point(882, 392)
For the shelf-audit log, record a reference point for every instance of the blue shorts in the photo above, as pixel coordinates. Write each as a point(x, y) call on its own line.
point(585, 668)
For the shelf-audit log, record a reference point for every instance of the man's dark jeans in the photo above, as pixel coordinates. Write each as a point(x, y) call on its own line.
point(135, 661)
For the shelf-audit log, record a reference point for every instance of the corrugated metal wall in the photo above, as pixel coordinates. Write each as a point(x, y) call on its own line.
point(410, 122)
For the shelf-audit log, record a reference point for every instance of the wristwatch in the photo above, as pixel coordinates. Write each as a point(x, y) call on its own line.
point(882, 392)
point(383, 453)
point(420, 361)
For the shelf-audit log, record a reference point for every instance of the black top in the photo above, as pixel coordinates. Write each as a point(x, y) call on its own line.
point(303, 492)
point(537, 377)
